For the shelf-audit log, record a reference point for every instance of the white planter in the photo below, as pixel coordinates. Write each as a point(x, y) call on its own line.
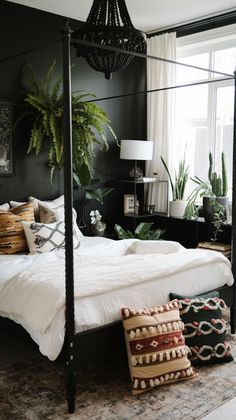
point(177, 208)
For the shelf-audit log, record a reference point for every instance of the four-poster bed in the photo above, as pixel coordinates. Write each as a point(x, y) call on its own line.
point(75, 342)
point(228, 293)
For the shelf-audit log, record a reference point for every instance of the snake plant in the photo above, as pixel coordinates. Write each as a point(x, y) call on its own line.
point(180, 180)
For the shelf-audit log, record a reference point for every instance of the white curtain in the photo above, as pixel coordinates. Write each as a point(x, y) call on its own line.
point(160, 114)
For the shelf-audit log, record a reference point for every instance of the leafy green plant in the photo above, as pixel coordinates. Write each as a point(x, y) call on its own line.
point(86, 181)
point(218, 183)
point(45, 110)
point(180, 180)
point(143, 231)
point(202, 189)
point(219, 219)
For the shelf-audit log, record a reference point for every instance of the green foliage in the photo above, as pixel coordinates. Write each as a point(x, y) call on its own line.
point(181, 178)
point(143, 231)
point(218, 183)
point(84, 180)
point(89, 122)
point(202, 189)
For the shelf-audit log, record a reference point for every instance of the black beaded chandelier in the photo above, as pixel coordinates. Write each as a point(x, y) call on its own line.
point(109, 24)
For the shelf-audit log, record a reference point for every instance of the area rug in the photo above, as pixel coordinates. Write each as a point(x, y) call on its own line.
point(34, 390)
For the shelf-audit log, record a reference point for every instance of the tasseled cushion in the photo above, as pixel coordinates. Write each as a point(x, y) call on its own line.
point(156, 347)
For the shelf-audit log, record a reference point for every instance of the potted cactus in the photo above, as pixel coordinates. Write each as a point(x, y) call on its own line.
point(219, 187)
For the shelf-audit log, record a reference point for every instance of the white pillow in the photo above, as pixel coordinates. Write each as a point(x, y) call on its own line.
point(14, 204)
point(52, 203)
point(4, 207)
point(47, 214)
point(46, 237)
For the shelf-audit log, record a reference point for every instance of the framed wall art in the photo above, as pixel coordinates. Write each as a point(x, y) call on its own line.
point(6, 167)
point(129, 203)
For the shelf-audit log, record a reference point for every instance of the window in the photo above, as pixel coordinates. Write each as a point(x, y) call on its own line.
point(204, 113)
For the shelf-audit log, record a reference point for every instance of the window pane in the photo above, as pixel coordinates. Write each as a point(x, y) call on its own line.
point(224, 130)
point(192, 130)
point(186, 74)
point(225, 61)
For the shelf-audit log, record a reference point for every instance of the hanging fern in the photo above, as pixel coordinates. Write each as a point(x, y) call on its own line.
point(46, 109)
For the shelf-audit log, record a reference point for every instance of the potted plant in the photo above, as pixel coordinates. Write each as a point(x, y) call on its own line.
point(178, 204)
point(143, 231)
point(45, 111)
point(219, 187)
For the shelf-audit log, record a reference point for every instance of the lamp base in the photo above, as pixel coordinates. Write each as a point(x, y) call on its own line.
point(136, 172)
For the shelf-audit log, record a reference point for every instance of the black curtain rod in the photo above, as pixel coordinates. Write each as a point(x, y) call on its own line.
point(141, 92)
point(145, 56)
point(10, 57)
point(199, 25)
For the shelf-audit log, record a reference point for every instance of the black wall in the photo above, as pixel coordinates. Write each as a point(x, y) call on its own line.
point(22, 30)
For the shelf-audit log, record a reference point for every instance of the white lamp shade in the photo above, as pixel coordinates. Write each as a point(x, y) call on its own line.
point(136, 149)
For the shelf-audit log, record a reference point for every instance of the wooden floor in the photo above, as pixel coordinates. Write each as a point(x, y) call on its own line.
point(226, 411)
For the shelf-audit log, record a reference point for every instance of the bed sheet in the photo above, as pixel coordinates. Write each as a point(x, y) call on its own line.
point(188, 271)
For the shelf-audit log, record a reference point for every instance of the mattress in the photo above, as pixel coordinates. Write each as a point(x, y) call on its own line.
point(108, 276)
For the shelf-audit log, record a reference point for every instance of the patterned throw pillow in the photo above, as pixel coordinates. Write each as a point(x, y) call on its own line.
point(46, 237)
point(57, 202)
point(12, 237)
point(50, 215)
point(156, 348)
point(204, 328)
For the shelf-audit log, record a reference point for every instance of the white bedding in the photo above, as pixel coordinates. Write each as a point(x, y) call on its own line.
point(108, 275)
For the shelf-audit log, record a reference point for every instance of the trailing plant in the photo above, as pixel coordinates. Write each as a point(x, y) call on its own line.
point(143, 231)
point(219, 219)
point(180, 180)
point(45, 110)
point(218, 183)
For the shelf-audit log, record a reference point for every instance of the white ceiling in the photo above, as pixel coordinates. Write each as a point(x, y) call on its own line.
point(147, 15)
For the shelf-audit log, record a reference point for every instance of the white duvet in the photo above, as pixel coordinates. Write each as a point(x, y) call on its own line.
point(108, 275)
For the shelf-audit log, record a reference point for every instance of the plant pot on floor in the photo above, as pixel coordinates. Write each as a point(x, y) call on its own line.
point(177, 208)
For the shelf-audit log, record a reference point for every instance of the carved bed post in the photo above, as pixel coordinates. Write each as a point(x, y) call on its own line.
point(68, 193)
point(233, 307)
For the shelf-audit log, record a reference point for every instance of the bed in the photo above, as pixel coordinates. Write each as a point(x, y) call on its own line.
point(108, 276)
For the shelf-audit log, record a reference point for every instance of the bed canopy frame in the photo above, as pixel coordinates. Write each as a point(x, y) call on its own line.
point(68, 192)
point(73, 340)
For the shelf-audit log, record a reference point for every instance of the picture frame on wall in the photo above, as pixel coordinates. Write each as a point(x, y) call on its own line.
point(6, 165)
point(128, 203)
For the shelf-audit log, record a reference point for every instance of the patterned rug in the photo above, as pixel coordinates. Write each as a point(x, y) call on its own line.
point(34, 390)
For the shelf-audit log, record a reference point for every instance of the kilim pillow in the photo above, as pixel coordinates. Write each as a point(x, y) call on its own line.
point(156, 348)
point(12, 237)
point(43, 237)
point(204, 328)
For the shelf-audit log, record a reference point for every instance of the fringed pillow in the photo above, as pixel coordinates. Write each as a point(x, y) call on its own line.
point(156, 348)
point(204, 328)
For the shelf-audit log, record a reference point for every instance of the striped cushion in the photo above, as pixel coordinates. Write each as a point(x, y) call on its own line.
point(12, 237)
point(156, 348)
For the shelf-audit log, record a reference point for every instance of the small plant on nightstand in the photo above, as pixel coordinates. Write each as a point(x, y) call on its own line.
point(143, 231)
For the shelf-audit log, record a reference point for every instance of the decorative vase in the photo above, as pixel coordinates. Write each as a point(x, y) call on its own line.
point(99, 228)
point(177, 208)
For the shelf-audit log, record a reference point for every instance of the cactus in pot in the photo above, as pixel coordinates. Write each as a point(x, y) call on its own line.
point(218, 183)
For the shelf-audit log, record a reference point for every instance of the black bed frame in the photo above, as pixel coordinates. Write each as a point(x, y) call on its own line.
point(80, 347)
